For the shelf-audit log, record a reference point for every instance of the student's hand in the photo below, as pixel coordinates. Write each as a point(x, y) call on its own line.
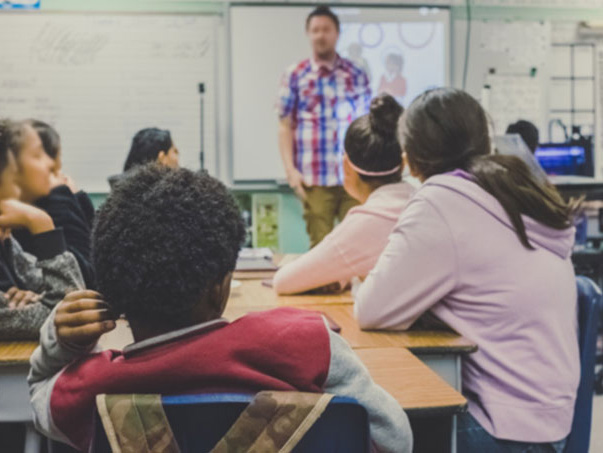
point(16, 214)
point(19, 298)
point(296, 182)
point(82, 317)
point(61, 179)
point(331, 288)
point(69, 182)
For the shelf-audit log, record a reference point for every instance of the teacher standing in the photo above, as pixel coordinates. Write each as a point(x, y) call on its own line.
point(318, 99)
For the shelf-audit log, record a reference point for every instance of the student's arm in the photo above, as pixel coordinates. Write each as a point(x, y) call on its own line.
point(51, 277)
point(51, 270)
point(389, 426)
point(285, 141)
point(66, 212)
point(324, 264)
point(70, 332)
point(86, 206)
point(15, 214)
point(414, 272)
point(286, 105)
point(22, 323)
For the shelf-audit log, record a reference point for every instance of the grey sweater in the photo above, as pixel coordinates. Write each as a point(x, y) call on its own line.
point(52, 273)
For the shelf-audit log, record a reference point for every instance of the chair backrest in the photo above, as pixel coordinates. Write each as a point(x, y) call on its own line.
point(589, 311)
point(200, 421)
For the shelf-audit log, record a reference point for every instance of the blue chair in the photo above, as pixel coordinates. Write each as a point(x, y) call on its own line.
point(589, 312)
point(200, 421)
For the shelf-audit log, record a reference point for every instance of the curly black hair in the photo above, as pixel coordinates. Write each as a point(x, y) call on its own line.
point(162, 240)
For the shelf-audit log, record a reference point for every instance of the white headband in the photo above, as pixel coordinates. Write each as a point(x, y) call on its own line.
point(372, 173)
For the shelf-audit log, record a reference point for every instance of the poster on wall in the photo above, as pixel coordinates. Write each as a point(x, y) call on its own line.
point(265, 220)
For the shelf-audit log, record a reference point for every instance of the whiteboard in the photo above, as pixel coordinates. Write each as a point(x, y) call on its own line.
point(99, 78)
point(266, 40)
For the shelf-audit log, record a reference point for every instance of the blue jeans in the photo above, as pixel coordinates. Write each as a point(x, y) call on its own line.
point(471, 437)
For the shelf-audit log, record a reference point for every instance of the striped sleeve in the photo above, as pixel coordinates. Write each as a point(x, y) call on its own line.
point(364, 95)
point(287, 94)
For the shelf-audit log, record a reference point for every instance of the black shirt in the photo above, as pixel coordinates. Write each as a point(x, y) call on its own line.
point(74, 214)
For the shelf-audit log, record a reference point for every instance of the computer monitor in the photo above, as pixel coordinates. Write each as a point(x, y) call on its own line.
point(571, 159)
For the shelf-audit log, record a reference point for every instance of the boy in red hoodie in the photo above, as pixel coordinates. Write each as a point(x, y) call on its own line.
point(164, 248)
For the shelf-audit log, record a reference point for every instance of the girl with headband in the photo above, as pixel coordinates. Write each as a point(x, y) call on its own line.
point(372, 166)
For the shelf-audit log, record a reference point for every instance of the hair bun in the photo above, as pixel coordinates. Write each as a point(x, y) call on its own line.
point(384, 115)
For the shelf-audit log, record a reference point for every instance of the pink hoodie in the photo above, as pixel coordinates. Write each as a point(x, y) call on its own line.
point(454, 252)
point(352, 248)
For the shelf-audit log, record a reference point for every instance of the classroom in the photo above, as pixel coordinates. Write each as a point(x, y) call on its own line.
point(301, 226)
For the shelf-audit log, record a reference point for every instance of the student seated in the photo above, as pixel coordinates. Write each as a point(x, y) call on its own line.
point(372, 166)
point(486, 248)
point(32, 283)
point(149, 145)
point(165, 246)
point(39, 161)
point(528, 133)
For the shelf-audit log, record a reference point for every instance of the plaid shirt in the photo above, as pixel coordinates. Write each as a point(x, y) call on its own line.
point(322, 103)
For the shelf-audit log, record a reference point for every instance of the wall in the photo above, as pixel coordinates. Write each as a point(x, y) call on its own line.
point(292, 229)
point(293, 237)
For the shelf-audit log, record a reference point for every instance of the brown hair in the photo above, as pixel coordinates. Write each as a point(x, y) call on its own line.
point(446, 129)
point(371, 142)
point(323, 10)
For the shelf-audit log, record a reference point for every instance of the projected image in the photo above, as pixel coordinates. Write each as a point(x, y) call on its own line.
point(401, 59)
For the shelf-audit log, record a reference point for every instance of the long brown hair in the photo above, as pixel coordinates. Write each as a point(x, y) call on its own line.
point(446, 129)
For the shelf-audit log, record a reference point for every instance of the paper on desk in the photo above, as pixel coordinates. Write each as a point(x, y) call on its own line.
point(255, 253)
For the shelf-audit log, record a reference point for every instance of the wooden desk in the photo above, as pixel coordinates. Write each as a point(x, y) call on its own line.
point(252, 293)
point(410, 381)
point(16, 352)
point(253, 275)
point(418, 341)
point(441, 350)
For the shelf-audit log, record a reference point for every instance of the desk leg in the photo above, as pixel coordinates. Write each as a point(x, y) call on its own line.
point(447, 366)
point(14, 394)
point(453, 435)
point(33, 440)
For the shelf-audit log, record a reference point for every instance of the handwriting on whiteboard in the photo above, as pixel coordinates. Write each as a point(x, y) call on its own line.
point(69, 45)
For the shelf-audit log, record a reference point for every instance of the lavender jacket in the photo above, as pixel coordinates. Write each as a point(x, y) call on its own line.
point(455, 252)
